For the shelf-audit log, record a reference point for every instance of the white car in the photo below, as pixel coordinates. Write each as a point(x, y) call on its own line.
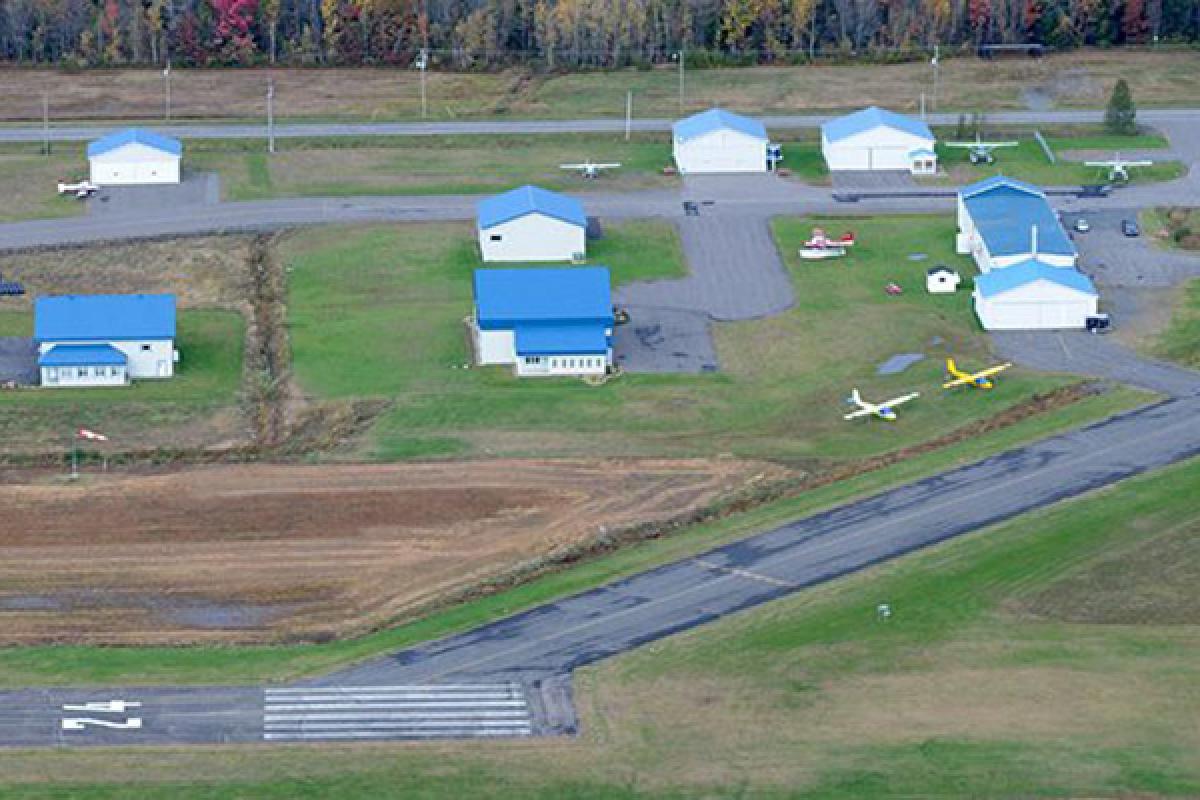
point(1082, 225)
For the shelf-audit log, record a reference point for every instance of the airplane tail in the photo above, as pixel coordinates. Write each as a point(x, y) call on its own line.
point(856, 397)
point(951, 368)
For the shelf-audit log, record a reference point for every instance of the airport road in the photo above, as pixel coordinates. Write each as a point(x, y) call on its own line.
point(217, 130)
point(512, 675)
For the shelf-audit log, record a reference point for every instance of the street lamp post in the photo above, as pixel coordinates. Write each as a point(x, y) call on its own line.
point(45, 123)
point(681, 58)
point(270, 115)
point(167, 91)
point(423, 65)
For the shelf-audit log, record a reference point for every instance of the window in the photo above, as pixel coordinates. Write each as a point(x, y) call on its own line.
point(82, 372)
point(114, 371)
point(145, 348)
point(51, 374)
point(533, 360)
point(497, 237)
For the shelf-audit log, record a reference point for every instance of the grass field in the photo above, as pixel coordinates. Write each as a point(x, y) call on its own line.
point(1180, 342)
point(199, 404)
point(355, 293)
point(1081, 78)
point(28, 183)
point(1055, 655)
point(1176, 227)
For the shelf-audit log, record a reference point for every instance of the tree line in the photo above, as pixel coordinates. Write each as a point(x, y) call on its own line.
point(484, 34)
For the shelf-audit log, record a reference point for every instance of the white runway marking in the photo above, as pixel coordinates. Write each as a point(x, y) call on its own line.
point(745, 573)
point(395, 712)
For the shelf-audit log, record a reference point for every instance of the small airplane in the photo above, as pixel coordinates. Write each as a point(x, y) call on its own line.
point(589, 170)
point(1118, 168)
point(821, 246)
point(980, 380)
point(885, 410)
point(981, 151)
point(81, 189)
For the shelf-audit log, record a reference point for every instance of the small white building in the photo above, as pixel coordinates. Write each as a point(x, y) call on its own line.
point(104, 340)
point(532, 224)
point(942, 280)
point(718, 141)
point(134, 157)
point(1002, 221)
point(545, 321)
point(878, 139)
point(1033, 295)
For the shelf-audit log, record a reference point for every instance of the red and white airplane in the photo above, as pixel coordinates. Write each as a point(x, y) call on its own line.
point(821, 246)
point(82, 189)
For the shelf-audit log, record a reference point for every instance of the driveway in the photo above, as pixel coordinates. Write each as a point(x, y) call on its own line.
point(196, 189)
point(1112, 259)
point(18, 360)
point(872, 180)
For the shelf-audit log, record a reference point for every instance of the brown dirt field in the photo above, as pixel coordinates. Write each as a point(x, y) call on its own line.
point(269, 553)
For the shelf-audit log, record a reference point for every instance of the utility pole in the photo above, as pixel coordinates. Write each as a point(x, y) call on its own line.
point(681, 57)
point(934, 62)
point(167, 90)
point(270, 115)
point(628, 113)
point(45, 123)
point(423, 65)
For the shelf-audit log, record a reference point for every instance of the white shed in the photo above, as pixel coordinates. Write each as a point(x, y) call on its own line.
point(532, 224)
point(132, 157)
point(878, 139)
point(942, 280)
point(1034, 295)
point(718, 141)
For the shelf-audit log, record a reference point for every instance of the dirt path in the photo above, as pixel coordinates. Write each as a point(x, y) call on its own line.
point(246, 553)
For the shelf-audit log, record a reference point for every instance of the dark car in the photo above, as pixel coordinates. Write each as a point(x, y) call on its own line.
point(1130, 228)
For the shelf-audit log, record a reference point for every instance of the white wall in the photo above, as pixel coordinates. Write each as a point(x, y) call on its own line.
point(533, 237)
point(548, 366)
point(720, 151)
point(134, 164)
point(71, 377)
point(495, 347)
point(147, 359)
point(880, 148)
point(1036, 306)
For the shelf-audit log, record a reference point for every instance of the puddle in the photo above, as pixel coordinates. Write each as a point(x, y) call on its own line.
point(898, 363)
point(918, 256)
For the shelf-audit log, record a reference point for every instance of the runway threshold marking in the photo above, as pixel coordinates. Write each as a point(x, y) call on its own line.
point(745, 573)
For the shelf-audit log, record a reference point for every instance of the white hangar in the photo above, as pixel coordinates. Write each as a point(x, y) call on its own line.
point(718, 141)
point(1033, 295)
point(532, 224)
point(878, 139)
point(1002, 221)
point(104, 340)
point(132, 157)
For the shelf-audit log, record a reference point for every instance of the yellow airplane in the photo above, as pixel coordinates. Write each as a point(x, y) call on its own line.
point(980, 380)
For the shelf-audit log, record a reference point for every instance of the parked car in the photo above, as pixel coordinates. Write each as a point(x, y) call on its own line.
point(1130, 228)
point(1082, 225)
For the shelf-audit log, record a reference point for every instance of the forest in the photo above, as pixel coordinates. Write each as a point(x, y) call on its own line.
point(561, 34)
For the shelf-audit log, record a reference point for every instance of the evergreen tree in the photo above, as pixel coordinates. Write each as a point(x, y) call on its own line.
point(1121, 117)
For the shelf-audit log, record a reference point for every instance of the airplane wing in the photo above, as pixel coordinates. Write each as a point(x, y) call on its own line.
point(606, 166)
point(959, 382)
point(574, 166)
point(895, 401)
point(990, 371)
point(862, 412)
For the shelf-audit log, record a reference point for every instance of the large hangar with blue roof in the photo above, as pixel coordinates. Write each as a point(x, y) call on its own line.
point(878, 139)
point(531, 224)
point(544, 321)
point(1003, 221)
point(104, 340)
point(134, 157)
point(718, 141)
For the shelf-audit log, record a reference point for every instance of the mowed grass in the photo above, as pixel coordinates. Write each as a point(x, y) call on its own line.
point(29, 181)
point(379, 312)
point(1027, 161)
point(987, 681)
point(144, 414)
point(1180, 342)
point(432, 165)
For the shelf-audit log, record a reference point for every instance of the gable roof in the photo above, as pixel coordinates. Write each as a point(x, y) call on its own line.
point(501, 208)
point(871, 118)
point(104, 317)
point(561, 339)
point(1005, 279)
point(506, 298)
point(1005, 214)
point(112, 141)
point(82, 355)
point(716, 119)
point(999, 182)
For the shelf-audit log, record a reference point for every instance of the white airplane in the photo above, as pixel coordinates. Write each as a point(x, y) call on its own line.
point(981, 151)
point(81, 189)
point(1118, 168)
point(589, 170)
point(885, 410)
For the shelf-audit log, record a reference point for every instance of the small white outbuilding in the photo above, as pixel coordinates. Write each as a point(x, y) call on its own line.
point(1034, 295)
point(532, 224)
point(717, 142)
point(942, 280)
point(134, 157)
point(878, 139)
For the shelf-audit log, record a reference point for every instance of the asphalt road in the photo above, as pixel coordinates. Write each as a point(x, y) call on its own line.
point(217, 130)
point(534, 651)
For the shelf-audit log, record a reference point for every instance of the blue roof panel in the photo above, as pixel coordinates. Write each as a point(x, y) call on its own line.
point(999, 181)
point(112, 141)
point(1005, 216)
point(870, 118)
point(716, 119)
point(575, 338)
point(82, 355)
point(1005, 279)
point(104, 317)
point(502, 208)
point(507, 298)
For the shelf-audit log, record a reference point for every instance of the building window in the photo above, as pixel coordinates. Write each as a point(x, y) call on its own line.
point(51, 374)
point(114, 371)
point(533, 360)
point(82, 372)
point(496, 237)
point(145, 348)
